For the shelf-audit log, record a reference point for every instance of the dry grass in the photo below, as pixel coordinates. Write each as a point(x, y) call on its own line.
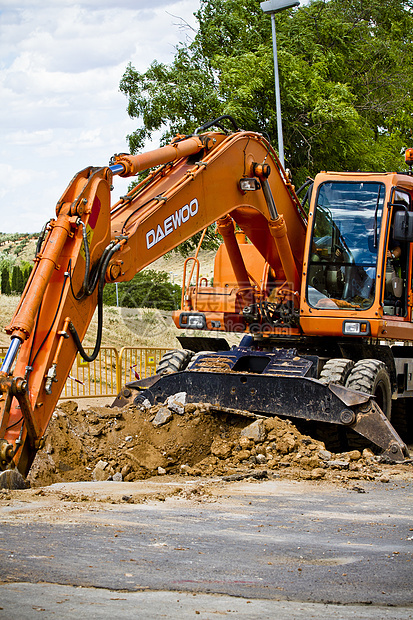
point(121, 326)
point(7, 306)
point(173, 264)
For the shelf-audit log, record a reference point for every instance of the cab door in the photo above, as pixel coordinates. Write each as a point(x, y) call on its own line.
point(397, 294)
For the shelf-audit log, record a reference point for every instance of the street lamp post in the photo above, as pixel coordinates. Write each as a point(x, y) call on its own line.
point(272, 7)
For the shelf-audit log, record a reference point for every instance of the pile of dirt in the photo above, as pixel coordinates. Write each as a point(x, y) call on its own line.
point(128, 444)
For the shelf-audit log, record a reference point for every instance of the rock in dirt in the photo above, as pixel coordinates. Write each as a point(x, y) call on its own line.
point(324, 455)
point(354, 455)
point(221, 449)
point(261, 459)
point(318, 473)
point(338, 464)
point(245, 442)
point(176, 402)
point(163, 416)
point(254, 431)
point(102, 471)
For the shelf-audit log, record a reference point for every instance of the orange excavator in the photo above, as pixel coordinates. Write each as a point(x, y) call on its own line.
point(320, 289)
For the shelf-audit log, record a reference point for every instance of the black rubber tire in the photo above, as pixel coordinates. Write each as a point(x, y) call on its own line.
point(174, 361)
point(336, 370)
point(402, 419)
point(371, 376)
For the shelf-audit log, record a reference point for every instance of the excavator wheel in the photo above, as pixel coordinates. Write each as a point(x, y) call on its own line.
point(371, 376)
point(174, 361)
point(336, 370)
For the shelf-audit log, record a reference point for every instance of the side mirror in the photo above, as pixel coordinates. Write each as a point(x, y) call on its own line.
point(403, 226)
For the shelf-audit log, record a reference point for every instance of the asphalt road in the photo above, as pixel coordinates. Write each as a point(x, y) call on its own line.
point(254, 549)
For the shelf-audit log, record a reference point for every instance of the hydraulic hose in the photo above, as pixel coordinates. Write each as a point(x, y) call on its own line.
point(41, 237)
point(107, 255)
point(83, 290)
point(217, 123)
point(90, 279)
point(87, 256)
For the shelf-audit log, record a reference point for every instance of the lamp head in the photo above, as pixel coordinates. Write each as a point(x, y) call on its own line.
point(274, 6)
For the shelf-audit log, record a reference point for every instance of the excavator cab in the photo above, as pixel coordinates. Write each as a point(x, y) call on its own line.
point(358, 276)
point(343, 254)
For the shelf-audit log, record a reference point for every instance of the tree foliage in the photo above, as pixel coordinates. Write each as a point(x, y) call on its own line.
point(13, 276)
point(148, 289)
point(345, 77)
point(5, 281)
point(17, 280)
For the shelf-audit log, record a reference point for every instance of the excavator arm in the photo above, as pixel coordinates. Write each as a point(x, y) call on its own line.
point(197, 180)
point(60, 294)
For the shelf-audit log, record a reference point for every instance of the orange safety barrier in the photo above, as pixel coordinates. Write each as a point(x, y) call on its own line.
point(97, 378)
point(111, 370)
point(106, 375)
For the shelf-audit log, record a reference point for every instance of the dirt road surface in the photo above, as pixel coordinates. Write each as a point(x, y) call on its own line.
point(178, 511)
point(175, 547)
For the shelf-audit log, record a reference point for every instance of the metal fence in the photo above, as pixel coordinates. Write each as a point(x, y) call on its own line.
point(97, 378)
point(106, 375)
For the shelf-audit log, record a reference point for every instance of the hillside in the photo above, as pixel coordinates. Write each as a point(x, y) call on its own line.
point(18, 247)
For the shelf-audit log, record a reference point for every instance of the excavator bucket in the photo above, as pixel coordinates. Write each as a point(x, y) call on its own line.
point(231, 381)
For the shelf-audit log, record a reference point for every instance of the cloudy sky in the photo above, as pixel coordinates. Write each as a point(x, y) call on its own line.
point(60, 67)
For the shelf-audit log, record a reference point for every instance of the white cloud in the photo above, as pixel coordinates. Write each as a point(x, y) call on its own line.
point(60, 68)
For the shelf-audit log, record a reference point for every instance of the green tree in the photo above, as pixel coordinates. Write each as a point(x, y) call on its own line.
point(345, 74)
point(5, 281)
point(17, 280)
point(26, 271)
point(148, 289)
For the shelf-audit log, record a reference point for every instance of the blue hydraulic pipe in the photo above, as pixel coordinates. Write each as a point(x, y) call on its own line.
point(117, 168)
point(11, 354)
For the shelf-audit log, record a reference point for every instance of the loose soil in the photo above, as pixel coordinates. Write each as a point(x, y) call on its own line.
point(126, 444)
